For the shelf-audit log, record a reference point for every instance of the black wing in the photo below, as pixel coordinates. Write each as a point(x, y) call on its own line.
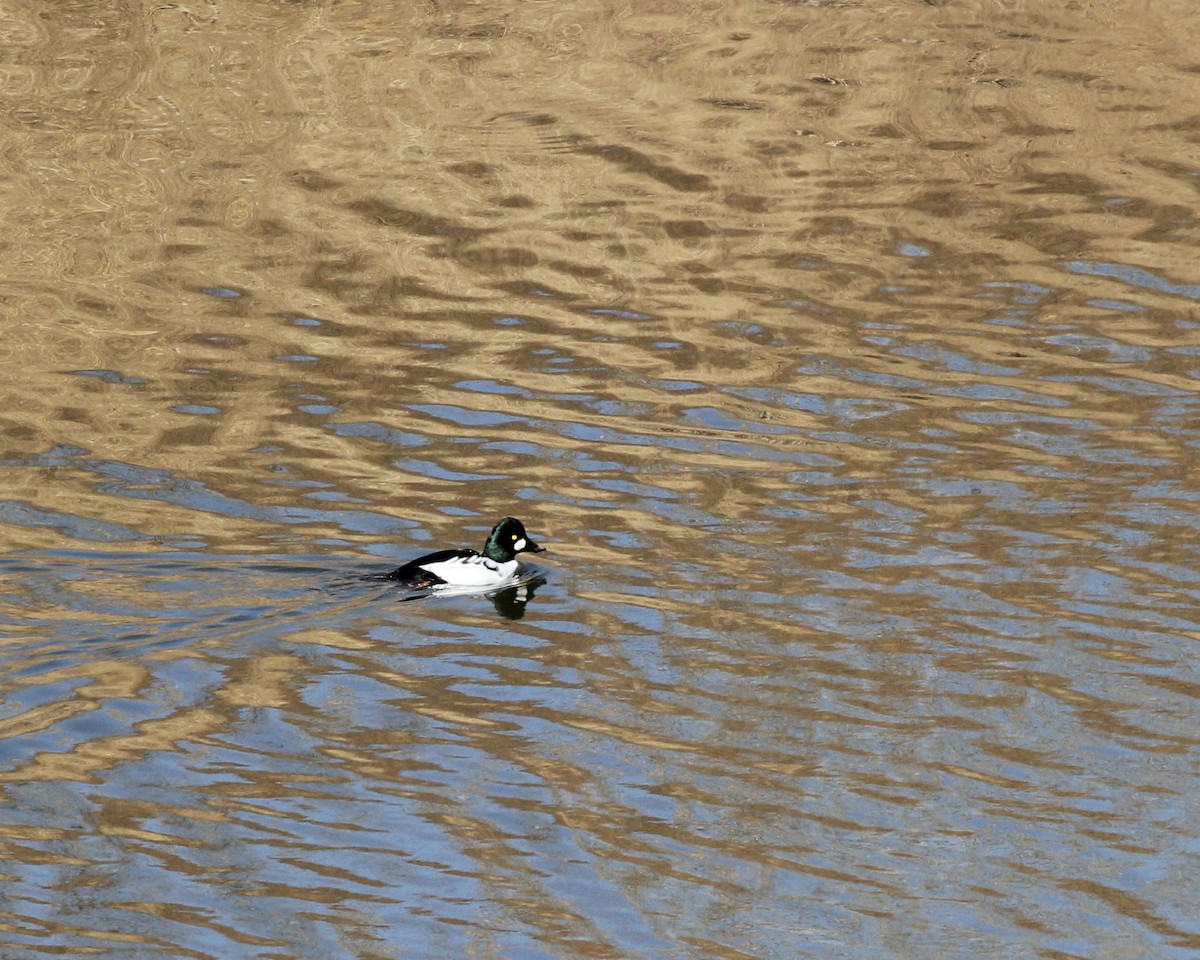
point(414, 575)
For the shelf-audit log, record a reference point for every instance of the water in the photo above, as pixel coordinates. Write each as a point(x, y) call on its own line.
point(844, 358)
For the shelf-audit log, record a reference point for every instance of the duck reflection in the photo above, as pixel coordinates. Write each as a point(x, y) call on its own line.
point(510, 602)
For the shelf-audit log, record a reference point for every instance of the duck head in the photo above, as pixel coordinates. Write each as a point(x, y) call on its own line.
point(507, 539)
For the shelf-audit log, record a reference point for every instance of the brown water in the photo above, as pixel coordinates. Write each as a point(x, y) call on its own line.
point(844, 355)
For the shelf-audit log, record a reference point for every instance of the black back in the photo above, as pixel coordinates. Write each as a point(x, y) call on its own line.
point(414, 575)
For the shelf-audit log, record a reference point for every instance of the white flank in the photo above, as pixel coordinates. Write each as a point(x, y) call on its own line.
point(472, 571)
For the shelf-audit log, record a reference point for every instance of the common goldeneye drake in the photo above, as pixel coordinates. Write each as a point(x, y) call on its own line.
point(469, 568)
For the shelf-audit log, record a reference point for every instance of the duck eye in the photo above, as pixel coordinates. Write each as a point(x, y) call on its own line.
point(514, 536)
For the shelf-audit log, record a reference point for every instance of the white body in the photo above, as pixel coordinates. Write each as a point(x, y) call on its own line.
point(477, 571)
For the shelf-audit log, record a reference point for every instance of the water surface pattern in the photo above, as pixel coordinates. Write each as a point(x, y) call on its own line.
point(845, 358)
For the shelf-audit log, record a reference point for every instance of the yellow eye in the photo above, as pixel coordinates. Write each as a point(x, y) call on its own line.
point(514, 536)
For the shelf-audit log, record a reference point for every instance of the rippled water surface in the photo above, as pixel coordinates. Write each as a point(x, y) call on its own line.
point(845, 357)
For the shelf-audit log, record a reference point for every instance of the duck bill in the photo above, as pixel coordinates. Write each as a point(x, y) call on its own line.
point(531, 547)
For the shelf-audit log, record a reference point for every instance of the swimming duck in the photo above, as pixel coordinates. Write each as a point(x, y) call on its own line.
point(469, 568)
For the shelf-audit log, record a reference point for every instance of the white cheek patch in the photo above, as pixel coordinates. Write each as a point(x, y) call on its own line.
point(519, 545)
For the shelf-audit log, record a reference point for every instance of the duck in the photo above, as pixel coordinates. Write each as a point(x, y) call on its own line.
point(494, 567)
